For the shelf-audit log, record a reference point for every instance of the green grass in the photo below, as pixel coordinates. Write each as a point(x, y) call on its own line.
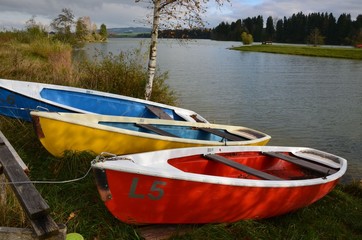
point(331, 52)
point(78, 205)
point(334, 217)
point(75, 204)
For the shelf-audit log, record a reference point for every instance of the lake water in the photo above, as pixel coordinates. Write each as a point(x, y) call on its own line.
point(299, 101)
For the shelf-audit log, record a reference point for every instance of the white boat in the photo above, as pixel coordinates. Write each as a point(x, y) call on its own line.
point(18, 98)
point(214, 184)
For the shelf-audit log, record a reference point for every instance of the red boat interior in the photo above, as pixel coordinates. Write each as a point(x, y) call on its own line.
point(252, 165)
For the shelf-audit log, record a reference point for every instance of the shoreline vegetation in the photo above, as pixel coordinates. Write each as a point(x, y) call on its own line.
point(299, 28)
point(311, 51)
point(78, 205)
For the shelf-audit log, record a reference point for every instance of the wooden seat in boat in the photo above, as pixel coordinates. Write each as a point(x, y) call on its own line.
point(159, 112)
point(241, 167)
point(156, 130)
point(318, 167)
point(223, 134)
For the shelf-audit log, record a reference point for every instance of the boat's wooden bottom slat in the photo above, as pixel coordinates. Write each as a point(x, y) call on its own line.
point(241, 167)
point(303, 163)
point(195, 117)
point(155, 129)
point(159, 112)
point(225, 135)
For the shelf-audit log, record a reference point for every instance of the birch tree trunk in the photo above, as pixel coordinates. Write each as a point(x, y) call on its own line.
point(153, 49)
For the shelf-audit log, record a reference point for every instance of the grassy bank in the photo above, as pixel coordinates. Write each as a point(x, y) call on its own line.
point(337, 216)
point(347, 53)
point(78, 205)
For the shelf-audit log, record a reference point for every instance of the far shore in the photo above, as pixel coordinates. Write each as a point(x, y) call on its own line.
point(325, 51)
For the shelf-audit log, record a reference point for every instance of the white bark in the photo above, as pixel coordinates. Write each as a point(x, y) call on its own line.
point(176, 13)
point(153, 49)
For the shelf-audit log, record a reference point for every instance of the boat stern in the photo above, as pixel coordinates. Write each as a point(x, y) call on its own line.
point(102, 183)
point(37, 127)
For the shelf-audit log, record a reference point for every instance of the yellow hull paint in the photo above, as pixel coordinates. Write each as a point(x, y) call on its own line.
point(59, 136)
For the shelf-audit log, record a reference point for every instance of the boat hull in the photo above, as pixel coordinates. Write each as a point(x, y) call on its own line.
point(163, 200)
point(58, 135)
point(182, 187)
point(16, 105)
point(19, 98)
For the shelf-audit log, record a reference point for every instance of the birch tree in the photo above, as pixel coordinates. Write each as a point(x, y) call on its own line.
point(173, 14)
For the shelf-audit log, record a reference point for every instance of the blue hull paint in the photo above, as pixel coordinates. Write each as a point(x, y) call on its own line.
point(19, 106)
point(102, 105)
point(16, 102)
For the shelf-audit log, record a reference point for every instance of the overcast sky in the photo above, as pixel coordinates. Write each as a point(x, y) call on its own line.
point(127, 13)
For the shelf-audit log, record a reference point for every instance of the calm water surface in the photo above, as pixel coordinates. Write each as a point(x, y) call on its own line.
point(299, 101)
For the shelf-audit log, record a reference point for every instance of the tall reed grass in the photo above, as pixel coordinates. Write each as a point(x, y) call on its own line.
point(124, 74)
point(50, 61)
point(11, 213)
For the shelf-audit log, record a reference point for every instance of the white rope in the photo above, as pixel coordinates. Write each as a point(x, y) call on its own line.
point(24, 109)
point(99, 158)
point(48, 181)
point(38, 108)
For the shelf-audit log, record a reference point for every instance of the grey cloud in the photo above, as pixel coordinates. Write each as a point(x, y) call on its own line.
point(110, 12)
point(281, 8)
point(115, 13)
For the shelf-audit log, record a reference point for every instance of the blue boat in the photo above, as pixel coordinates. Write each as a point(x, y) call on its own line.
point(18, 98)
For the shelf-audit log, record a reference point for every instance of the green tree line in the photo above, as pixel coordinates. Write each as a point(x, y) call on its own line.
point(295, 29)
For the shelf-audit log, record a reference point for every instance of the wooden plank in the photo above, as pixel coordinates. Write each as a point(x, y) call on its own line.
point(225, 135)
point(241, 167)
point(3, 195)
point(7, 233)
point(30, 199)
point(44, 226)
point(194, 116)
point(253, 133)
point(163, 232)
point(156, 130)
point(303, 163)
point(159, 112)
point(4, 140)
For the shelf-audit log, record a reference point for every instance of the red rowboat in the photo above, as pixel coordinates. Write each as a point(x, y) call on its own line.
point(214, 184)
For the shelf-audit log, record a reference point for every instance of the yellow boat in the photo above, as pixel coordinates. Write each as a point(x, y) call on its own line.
point(59, 132)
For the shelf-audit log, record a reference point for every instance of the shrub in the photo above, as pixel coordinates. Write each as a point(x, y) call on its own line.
point(58, 57)
point(123, 74)
point(246, 38)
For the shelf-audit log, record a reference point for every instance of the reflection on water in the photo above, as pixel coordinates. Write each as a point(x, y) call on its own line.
point(299, 101)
